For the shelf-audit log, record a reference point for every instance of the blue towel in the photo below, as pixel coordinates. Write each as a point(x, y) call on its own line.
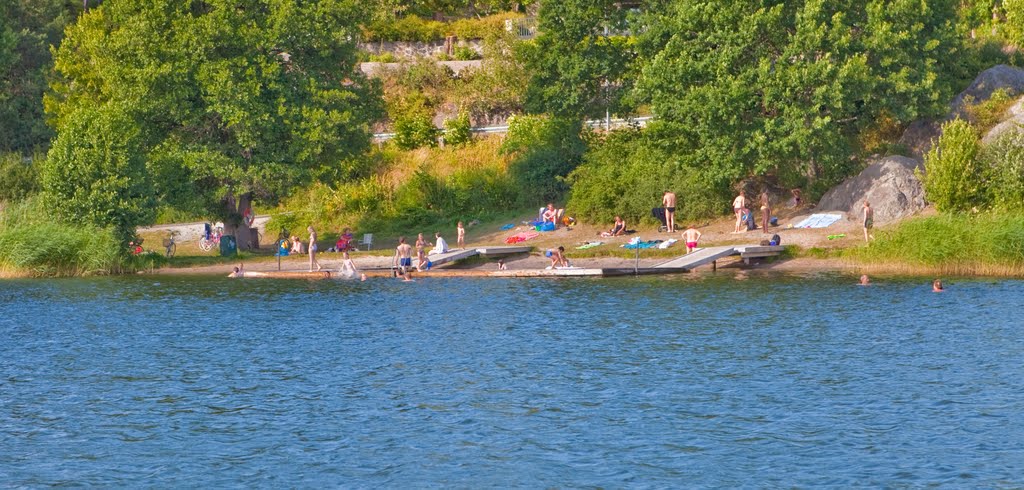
point(508, 226)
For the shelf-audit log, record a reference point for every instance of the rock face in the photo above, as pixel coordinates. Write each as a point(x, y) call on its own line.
point(920, 134)
point(889, 184)
point(998, 77)
point(1014, 123)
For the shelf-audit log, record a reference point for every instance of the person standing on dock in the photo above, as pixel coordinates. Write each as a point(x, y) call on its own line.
point(868, 217)
point(312, 249)
point(460, 239)
point(669, 201)
point(403, 256)
point(421, 252)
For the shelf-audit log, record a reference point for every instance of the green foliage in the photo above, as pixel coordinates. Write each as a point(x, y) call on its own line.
point(242, 101)
point(990, 112)
point(992, 239)
point(457, 130)
point(544, 150)
point(1004, 158)
point(756, 88)
point(95, 172)
point(27, 30)
point(413, 28)
point(19, 176)
point(626, 174)
point(955, 181)
point(414, 129)
point(466, 53)
point(1014, 27)
point(497, 87)
point(32, 243)
point(576, 68)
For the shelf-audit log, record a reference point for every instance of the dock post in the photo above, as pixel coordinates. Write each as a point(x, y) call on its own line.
point(714, 265)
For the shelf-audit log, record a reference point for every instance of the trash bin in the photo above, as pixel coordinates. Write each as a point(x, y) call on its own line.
point(228, 246)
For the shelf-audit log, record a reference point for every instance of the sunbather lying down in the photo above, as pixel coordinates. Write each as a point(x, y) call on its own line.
point(619, 228)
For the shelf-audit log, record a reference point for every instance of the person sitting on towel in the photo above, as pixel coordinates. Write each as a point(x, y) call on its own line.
point(552, 215)
point(617, 230)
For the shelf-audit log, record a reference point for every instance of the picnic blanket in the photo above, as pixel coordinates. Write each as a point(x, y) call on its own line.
point(637, 243)
point(667, 243)
point(521, 237)
point(818, 221)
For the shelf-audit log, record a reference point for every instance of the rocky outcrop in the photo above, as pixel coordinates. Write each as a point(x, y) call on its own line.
point(1014, 123)
point(920, 134)
point(889, 184)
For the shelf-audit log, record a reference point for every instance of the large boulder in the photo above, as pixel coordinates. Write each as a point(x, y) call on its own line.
point(920, 135)
point(889, 184)
point(1014, 122)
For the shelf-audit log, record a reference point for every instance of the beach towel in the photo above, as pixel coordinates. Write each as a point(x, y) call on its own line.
point(818, 221)
point(508, 227)
point(589, 245)
point(667, 243)
point(637, 243)
point(521, 237)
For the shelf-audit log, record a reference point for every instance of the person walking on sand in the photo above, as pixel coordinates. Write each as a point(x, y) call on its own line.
point(690, 237)
point(460, 238)
point(669, 201)
point(868, 216)
point(738, 205)
point(403, 256)
point(421, 252)
point(312, 249)
point(766, 212)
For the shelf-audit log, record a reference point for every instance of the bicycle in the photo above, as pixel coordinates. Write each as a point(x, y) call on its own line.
point(169, 245)
point(210, 239)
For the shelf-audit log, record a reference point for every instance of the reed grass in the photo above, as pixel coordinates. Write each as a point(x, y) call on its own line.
point(988, 244)
point(32, 245)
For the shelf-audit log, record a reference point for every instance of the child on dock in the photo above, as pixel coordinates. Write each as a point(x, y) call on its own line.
point(460, 239)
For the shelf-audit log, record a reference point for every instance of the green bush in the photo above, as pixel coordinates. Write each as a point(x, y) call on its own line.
point(626, 174)
point(457, 130)
point(32, 243)
point(954, 178)
point(993, 239)
point(410, 28)
point(1005, 159)
point(481, 28)
point(19, 176)
point(415, 130)
point(987, 114)
point(466, 53)
point(544, 150)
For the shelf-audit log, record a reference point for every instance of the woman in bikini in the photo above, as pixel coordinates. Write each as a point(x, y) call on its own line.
point(312, 249)
point(421, 252)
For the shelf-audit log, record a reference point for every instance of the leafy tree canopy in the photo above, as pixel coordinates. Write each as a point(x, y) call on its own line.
point(766, 86)
point(229, 99)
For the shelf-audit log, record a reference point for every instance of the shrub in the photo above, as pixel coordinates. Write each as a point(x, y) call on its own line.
point(466, 53)
point(544, 150)
point(987, 114)
point(19, 176)
point(415, 130)
point(457, 130)
point(410, 28)
point(1005, 159)
point(481, 28)
point(32, 243)
point(955, 180)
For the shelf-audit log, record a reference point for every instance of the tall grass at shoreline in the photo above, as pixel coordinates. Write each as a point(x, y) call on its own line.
point(33, 245)
point(990, 244)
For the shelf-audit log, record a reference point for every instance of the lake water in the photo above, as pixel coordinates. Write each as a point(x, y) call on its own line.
point(688, 381)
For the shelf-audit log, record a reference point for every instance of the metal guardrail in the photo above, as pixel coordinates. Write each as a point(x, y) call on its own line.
point(595, 123)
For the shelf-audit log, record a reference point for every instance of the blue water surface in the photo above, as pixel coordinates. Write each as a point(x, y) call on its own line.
point(689, 381)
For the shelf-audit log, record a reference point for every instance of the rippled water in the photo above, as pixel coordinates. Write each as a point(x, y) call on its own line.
point(687, 381)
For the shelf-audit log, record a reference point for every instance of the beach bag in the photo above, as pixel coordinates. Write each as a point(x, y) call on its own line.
point(549, 226)
point(776, 240)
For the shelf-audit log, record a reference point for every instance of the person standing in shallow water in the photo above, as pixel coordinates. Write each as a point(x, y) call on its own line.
point(403, 256)
point(868, 220)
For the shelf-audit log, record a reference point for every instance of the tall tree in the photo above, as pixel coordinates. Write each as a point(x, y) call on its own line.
point(753, 87)
point(233, 101)
point(579, 61)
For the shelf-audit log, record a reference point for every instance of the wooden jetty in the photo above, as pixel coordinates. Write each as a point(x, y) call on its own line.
point(686, 263)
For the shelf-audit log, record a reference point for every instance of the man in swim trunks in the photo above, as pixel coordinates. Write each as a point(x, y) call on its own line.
point(869, 221)
point(403, 256)
point(691, 236)
point(669, 201)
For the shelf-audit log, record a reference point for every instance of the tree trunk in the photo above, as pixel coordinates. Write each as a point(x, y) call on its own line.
point(234, 222)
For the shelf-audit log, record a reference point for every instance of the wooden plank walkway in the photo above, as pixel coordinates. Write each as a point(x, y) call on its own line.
point(450, 256)
point(699, 257)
